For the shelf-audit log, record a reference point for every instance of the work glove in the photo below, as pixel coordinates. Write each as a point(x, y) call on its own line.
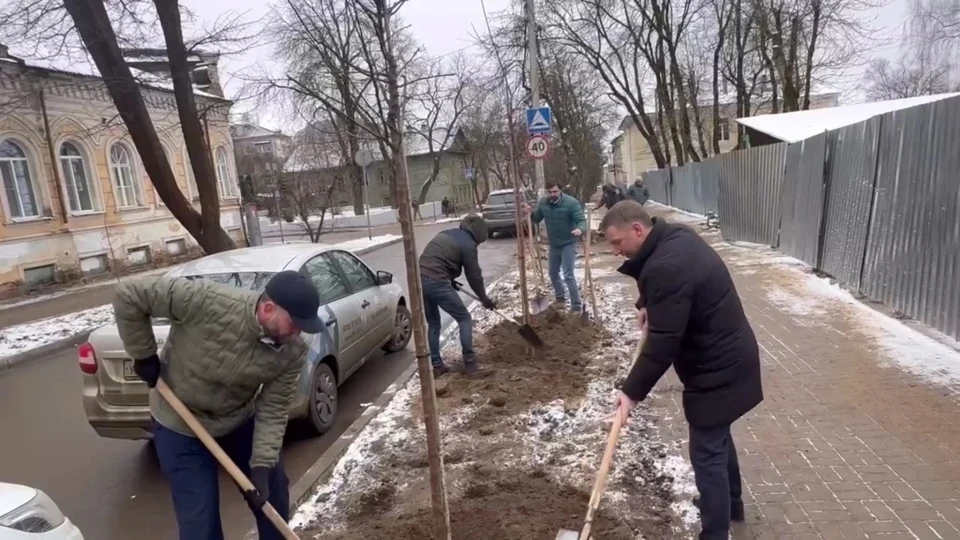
point(148, 369)
point(488, 303)
point(258, 496)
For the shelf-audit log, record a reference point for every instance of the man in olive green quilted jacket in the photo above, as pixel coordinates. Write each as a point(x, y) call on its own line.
point(233, 357)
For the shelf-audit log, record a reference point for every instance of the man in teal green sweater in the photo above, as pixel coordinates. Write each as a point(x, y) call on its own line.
point(565, 223)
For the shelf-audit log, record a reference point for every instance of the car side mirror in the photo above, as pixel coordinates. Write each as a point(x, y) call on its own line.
point(384, 278)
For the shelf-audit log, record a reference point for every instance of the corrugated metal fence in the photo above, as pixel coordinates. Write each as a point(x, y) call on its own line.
point(875, 204)
point(912, 260)
point(658, 182)
point(801, 201)
point(852, 156)
point(696, 187)
point(750, 194)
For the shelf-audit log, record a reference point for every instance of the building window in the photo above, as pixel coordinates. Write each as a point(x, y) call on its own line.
point(262, 147)
point(80, 193)
point(724, 129)
point(121, 168)
point(17, 182)
point(224, 181)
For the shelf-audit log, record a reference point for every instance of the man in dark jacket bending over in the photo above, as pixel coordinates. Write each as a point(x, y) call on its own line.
point(693, 319)
point(449, 253)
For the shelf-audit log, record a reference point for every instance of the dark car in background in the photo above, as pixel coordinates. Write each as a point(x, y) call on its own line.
point(500, 210)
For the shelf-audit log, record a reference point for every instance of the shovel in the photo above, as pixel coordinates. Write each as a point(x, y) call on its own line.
point(588, 277)
point(584, 533)
point(227, 463)
point(525, 330)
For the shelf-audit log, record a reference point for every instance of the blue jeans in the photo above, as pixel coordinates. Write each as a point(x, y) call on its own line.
point(192, 473)
point(439, 295)
point(562, 258)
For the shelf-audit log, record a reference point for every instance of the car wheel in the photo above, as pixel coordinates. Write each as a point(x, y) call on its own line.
point(323, 399)
point(403, 329)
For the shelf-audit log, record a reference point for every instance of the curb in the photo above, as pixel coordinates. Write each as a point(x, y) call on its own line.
point(321, 469)
point(8, 362)
point(38, 352)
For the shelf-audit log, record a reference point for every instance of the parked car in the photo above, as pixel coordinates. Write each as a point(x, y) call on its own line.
point(364, 312)
point(500, 211)
point(27, 513)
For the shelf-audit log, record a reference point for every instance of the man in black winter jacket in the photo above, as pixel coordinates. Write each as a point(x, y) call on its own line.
point(450, 252)
point(693, 319)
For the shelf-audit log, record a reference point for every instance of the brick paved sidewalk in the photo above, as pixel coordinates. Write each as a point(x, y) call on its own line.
point(859, 435)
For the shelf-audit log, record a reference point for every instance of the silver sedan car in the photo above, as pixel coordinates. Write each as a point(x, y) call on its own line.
point(364, 312)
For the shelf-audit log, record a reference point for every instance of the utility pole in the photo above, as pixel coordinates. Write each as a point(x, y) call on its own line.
point(534, 61)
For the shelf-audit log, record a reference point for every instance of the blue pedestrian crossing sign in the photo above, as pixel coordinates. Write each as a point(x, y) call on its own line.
point(539, 121)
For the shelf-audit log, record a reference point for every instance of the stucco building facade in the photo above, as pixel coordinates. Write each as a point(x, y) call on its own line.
point(76, 200)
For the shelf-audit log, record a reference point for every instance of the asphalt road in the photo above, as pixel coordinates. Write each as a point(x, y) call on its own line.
point(113, 490)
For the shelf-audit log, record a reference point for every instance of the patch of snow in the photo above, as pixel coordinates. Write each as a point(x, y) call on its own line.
point(929, 359)
point(684, 488)
point(23, 337)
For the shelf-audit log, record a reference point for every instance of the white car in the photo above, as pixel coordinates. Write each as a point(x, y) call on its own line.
point(28, 514)
point(364, 312)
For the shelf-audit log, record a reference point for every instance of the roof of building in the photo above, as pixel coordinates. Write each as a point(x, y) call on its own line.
point(318, 149)
point(246, 130)
point(144, 79)
point(730, 99)
point(800, 125)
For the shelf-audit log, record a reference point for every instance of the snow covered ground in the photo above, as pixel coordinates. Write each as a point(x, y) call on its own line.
point(23, 337)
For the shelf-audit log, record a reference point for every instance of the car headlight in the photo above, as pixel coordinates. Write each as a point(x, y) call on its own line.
point(37, 516)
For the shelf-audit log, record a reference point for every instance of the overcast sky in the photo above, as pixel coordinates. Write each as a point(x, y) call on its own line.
point(441, 26)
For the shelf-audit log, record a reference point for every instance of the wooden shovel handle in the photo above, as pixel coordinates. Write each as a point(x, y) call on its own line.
point(602, 475)
point(605, 465)
point(227, 463)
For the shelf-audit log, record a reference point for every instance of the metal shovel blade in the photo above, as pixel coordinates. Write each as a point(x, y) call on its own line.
point(567, 534)
point(539, 304)
point(530, 335)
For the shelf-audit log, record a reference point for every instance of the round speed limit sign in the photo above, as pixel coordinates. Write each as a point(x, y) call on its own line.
point(538, 146)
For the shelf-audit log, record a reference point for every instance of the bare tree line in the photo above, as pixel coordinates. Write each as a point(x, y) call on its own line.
point(925, 63)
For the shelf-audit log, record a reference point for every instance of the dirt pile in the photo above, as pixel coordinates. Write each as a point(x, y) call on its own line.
point(521, 447)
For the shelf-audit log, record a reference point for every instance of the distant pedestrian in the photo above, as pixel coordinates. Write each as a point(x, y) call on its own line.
point(443, 259)
point(234, 358)
point(611, 195)
point(565, 225)
point(691, 314)
point(639, 192)
point(416, 209)
point(445, 206)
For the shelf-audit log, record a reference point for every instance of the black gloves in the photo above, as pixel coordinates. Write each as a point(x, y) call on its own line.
point(488, 303)
point(257, 497)
point(148, 370)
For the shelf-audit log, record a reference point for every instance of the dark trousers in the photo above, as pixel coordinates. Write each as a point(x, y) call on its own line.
point(439, 295)
point(717, 474)
point(192, 472)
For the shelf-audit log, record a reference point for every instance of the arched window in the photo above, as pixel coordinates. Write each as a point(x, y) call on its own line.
point(224, 179)
point(122, 170)
point(18, 185)
point(81, 194)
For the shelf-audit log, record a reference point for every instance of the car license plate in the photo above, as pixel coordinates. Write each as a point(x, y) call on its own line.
point(128, 372)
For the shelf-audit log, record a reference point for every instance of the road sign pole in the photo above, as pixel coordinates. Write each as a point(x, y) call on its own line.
point(538, 181)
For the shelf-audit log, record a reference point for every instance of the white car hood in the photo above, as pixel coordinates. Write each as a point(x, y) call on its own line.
point(13, 496)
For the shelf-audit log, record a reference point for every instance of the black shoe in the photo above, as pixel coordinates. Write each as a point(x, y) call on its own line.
point(440, 371)
point(736, 509)
point(472, 370)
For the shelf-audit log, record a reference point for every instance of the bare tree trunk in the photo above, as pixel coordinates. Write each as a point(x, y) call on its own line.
point(93, 24)
point(168, 12)
point(438, 495)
